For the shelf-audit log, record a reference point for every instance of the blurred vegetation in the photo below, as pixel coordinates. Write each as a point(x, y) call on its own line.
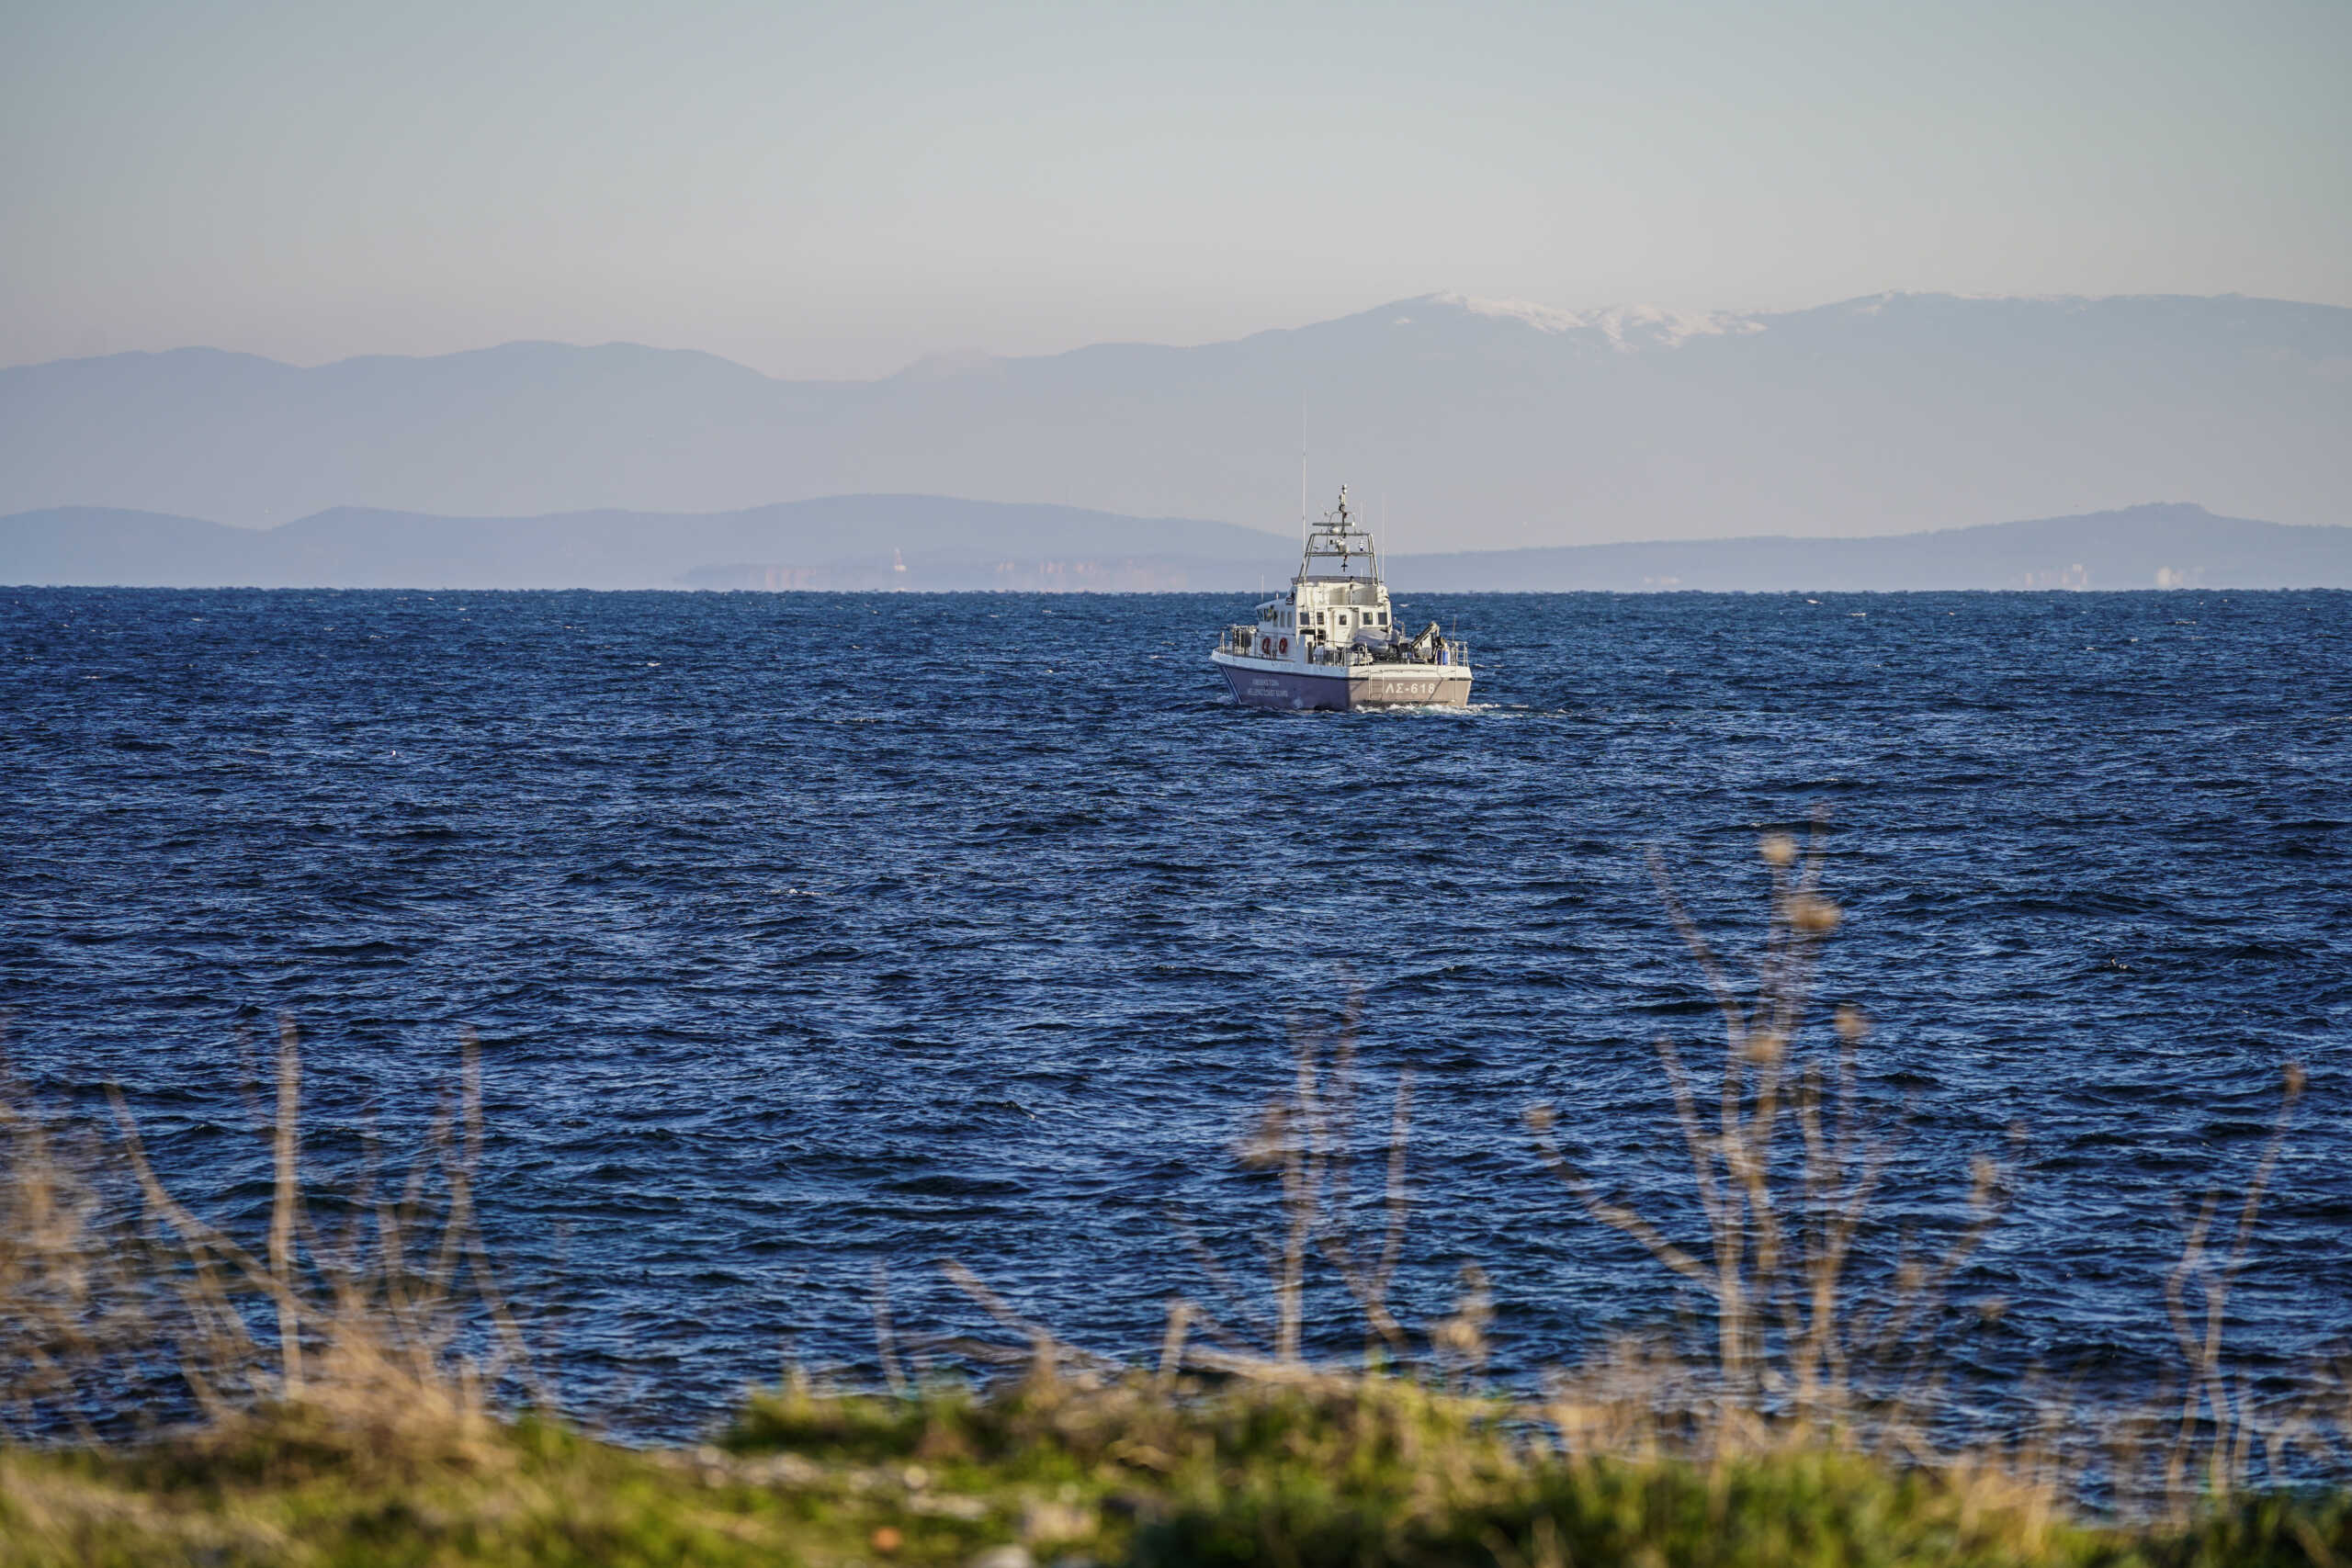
point(1358, 1471)
point(354, 1387)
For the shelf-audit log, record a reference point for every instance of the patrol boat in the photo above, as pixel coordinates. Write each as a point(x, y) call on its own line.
point(1332, 641)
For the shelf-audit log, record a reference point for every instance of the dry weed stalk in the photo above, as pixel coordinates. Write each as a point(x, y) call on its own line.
point(69, 1295)
point(1781, 1228)
point(1048, 1353)
point(1309, 1136)
point(2220, 1418)
point(328, 1321)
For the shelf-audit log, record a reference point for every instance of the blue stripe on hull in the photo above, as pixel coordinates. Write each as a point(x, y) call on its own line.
point(1285, 688)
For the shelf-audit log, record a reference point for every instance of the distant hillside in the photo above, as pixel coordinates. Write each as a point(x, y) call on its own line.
point(838, 542)
point(2140, 547)
point(1462, 423)
point(867, 542)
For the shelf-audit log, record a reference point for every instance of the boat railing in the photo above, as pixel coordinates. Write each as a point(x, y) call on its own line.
point(1450, 654)
point(1246, 639)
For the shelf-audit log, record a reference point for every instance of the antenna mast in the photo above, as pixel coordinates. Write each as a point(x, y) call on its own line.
point(1302, 465)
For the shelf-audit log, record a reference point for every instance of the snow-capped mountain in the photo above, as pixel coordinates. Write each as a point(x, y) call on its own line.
point(1460, 423)
point(1626, 327)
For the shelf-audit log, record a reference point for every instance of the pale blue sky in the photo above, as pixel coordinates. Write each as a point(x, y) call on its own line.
point(836, 191)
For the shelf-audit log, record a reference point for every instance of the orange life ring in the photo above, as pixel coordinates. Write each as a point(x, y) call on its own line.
point(1265, 645)
point(1285, 645)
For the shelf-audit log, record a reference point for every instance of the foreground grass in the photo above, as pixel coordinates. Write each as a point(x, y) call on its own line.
point(1355, 1472)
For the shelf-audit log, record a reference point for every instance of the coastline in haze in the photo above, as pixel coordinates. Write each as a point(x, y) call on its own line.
point(936, 543)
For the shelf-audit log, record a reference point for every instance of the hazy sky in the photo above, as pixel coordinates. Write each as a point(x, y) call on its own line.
point(836, 191)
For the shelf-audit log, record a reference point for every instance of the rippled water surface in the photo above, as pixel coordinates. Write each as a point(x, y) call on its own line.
point(806, 933)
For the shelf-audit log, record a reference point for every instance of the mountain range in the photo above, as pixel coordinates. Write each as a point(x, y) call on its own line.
point(930, 542)
point(1463, 424)
point(855, 542)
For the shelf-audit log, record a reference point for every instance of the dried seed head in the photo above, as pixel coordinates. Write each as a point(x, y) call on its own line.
point(1461, 1336)
point(1764, 1048)
point(1464, 1334)
point(1538, 1117)
point(2295, 1081)
point(1778, 849)
point(1808, 913)
point(1851, 1025)
point(1265, 1144)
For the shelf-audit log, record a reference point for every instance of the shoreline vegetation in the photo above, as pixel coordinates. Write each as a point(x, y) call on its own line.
point(358, 1386)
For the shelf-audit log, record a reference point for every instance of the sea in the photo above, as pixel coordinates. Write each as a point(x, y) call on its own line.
point(831, 954)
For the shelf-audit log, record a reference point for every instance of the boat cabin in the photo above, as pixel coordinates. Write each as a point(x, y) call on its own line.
point(1336, 610)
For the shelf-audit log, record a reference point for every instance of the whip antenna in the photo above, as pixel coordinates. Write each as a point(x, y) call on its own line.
point(1302, 465)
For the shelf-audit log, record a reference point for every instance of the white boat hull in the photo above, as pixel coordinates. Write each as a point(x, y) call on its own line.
point(1291, 686)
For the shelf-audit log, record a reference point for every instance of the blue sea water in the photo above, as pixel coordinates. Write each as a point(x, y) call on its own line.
point(807, 933)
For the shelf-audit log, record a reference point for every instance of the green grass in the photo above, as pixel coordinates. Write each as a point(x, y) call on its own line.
point(1354, 1472)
